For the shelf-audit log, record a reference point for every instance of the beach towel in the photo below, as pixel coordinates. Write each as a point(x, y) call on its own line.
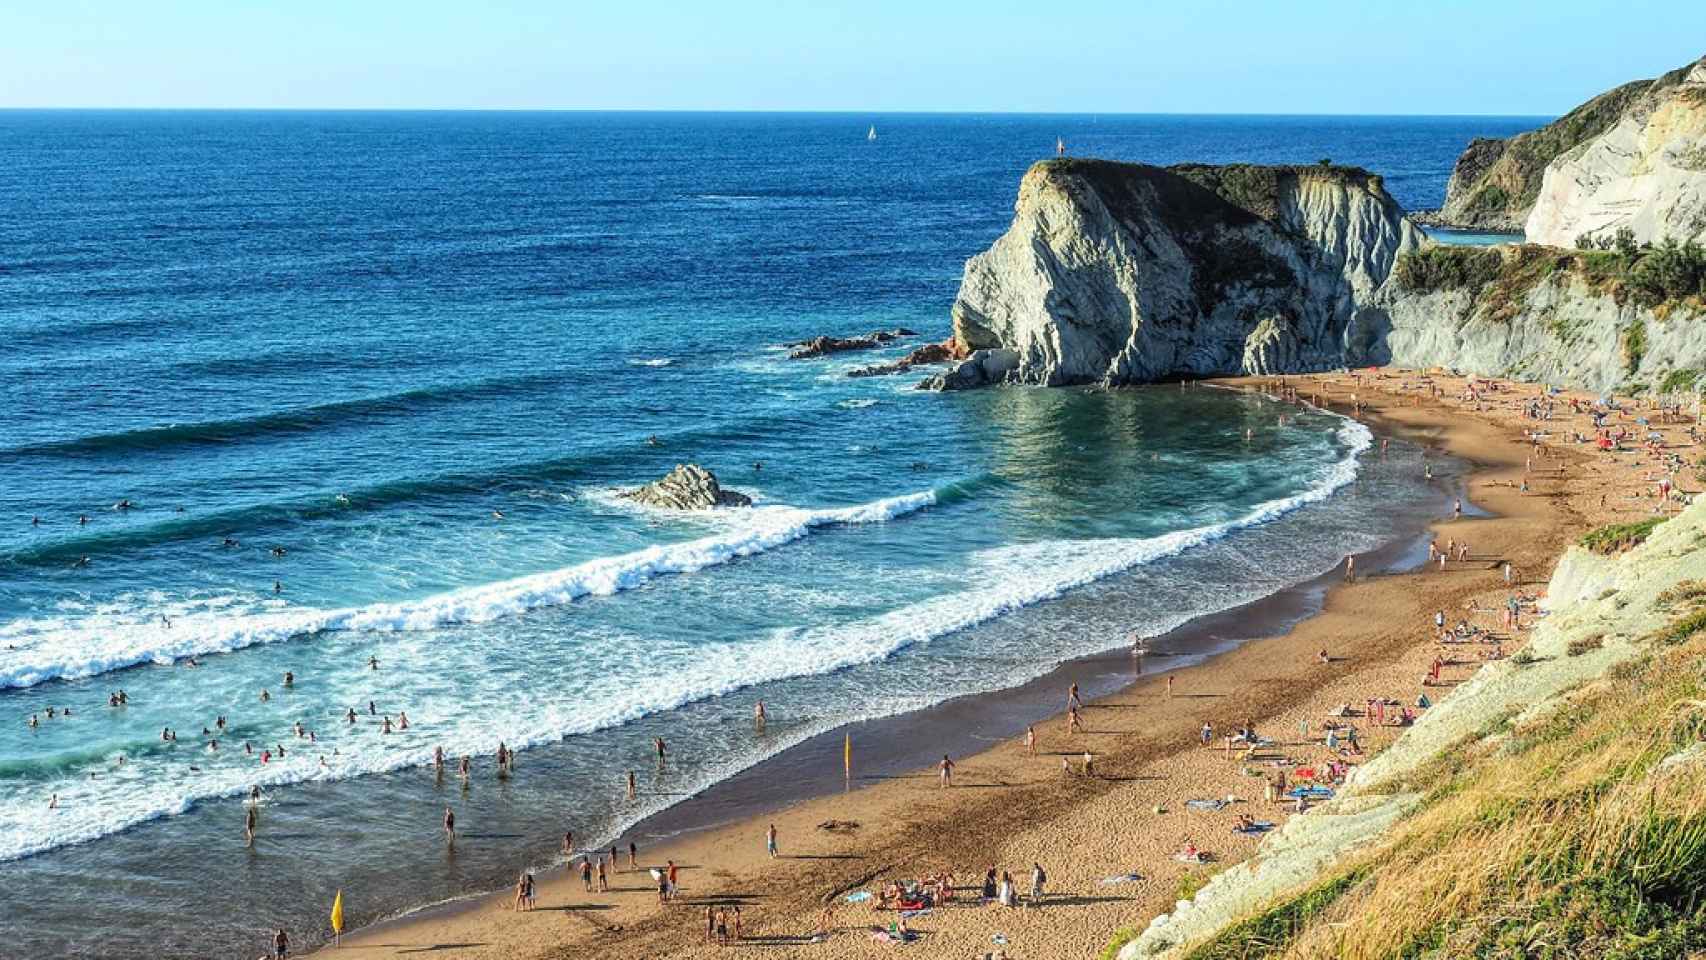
point(920, 912)
point(1122, 878)
point(1198, 857)
point(1206, 804)
point(1260, 826)
point(1322, 792)
point(858, 896)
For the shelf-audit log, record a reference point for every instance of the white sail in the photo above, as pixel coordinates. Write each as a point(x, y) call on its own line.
point(872, 133)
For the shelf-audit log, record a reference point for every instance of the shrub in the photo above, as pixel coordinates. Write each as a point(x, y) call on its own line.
point(1581, 645)
point(1449, 268)
point(1112, 950)
point(1618, 537)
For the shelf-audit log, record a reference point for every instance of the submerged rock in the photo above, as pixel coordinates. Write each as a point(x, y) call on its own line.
point(687, 487)
point(947, 351)
point(823, 346)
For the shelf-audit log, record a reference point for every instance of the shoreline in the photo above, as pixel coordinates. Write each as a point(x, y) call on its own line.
point(799, 769)
point(736, 809)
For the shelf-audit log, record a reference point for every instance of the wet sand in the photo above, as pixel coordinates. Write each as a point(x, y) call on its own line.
point(1009, 809)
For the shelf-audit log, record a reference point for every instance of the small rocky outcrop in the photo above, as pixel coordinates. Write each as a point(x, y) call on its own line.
point(947, 351)
point(1126, 273)
point(687, 487)
point(824, 346)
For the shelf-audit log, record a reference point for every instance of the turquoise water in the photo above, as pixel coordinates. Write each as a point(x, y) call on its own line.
point(358, 338)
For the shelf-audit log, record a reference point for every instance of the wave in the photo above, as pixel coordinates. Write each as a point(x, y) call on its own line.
point(650, 361)
point(282, 422)
point(49, 651)
point(1011, 578)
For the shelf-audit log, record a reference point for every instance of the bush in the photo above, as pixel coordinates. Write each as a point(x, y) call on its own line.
point(1112, 950)
point(1618, 537)
point(1581, 645)
point(1449, 268)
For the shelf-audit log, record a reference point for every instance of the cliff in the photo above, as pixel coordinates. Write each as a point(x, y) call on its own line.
point(1549, 806)
point(1495, 182)
point(1599, 320)
point(1646, 174)
point(1118, 273)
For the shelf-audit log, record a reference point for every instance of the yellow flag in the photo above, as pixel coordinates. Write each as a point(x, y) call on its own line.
point(847, 756)
point(338, 913)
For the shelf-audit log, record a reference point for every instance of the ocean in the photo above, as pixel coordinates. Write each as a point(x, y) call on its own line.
point(367, 384)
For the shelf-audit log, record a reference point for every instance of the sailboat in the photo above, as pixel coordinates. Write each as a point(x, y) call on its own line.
point(872, 133)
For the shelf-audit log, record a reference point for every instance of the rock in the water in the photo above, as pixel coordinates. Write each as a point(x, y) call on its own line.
point(688, 487)
point(947, 351)
point(1124, 273)
point(823, 346)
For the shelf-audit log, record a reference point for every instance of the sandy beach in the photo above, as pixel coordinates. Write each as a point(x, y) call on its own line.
point(1009, 808)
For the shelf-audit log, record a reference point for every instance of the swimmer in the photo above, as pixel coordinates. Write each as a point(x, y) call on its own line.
point(343, 498)
point(758, 714)
point(277, 551)
point(438, 758)
point(53, 804)
point(122, 505)
point(351, 715)
point(230, 542)
point(402, 720)
point(277, 587)
point(265, 696)
point(165, 622)
point(653, 441)
point(82, 521)
point(497, 514)
point(373, 663)
point(385, 725)
point(81, 562)
point(289, 679)
point(35, 521)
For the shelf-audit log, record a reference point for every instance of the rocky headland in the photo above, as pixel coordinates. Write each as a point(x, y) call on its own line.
point(1115, 273)
point(687, 487)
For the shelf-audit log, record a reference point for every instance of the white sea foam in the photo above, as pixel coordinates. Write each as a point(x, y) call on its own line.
point(659, 673)
point(650, 361)
point(42, 650)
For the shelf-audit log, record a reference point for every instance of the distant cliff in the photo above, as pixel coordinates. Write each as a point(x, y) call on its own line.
point(1119, 273)
point(1633, 157)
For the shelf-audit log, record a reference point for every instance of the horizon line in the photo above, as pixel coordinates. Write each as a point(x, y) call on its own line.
point(758, 111)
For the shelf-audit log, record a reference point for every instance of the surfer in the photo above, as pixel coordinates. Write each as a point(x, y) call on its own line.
point(81, 562)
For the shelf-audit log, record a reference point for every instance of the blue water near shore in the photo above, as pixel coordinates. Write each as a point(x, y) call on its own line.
point(359, 338)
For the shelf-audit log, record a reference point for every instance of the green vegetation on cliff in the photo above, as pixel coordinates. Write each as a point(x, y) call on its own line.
point(1661, 277)
point(1618, 537)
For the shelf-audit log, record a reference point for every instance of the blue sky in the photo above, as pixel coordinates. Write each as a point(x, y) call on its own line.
point(1258, 56)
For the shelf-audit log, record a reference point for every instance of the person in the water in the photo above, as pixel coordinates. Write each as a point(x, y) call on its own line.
point(230, 542)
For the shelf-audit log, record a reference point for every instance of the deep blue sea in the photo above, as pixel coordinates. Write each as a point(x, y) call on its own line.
point(368, 383)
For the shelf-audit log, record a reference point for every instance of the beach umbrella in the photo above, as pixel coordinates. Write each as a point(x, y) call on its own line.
point(847, 757)
point(338, 917)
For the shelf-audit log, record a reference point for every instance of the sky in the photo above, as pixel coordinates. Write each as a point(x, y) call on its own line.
point(1085, 56)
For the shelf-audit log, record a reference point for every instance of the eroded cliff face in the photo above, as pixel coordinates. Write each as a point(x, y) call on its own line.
point(1646, 173)
point(1118, 273)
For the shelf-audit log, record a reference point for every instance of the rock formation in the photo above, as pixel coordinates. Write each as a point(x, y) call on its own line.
point(1495, 182)
point(823, 346)
point(931, 353)
point(1646, 173)
point(1117, 273)
point(687, 487)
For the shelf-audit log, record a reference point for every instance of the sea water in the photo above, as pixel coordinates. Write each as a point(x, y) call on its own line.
point(369, 383)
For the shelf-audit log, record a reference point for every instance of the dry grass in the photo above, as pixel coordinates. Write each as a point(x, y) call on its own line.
point(1565, 838)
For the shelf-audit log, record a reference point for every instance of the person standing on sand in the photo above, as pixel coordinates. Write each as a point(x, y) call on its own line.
point(603, 877)
point(1207, 733)
point(946, 771)
point(1350, 569)
point(633, 856)
point(671, 873)
point(710, 923)
point(1038, 878)
point(1031, 740)
point(586, 873)
point(1169, 686)
point(770, 841)
point(1072, 724)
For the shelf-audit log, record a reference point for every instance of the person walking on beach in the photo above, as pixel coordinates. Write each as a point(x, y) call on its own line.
point(569, 844)
point(946, 770)
point(710, 923)
point(1072, 697)
point(1072, 724)
point(450, 826)
point(671, 873)
point(770, 841)
point(1038, 878)
point(603, 877)
point(586, 873)
point(633, 856)
point(1350, 569)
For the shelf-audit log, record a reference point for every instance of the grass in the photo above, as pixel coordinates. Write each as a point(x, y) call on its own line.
point(1572, 839)
point(1581, 645)
point(1618, 537)
point(1688, 591)
point(1112, 950)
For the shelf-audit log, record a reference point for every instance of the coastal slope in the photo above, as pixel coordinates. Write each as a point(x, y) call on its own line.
point(1550, 802)
point(1120, 273)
